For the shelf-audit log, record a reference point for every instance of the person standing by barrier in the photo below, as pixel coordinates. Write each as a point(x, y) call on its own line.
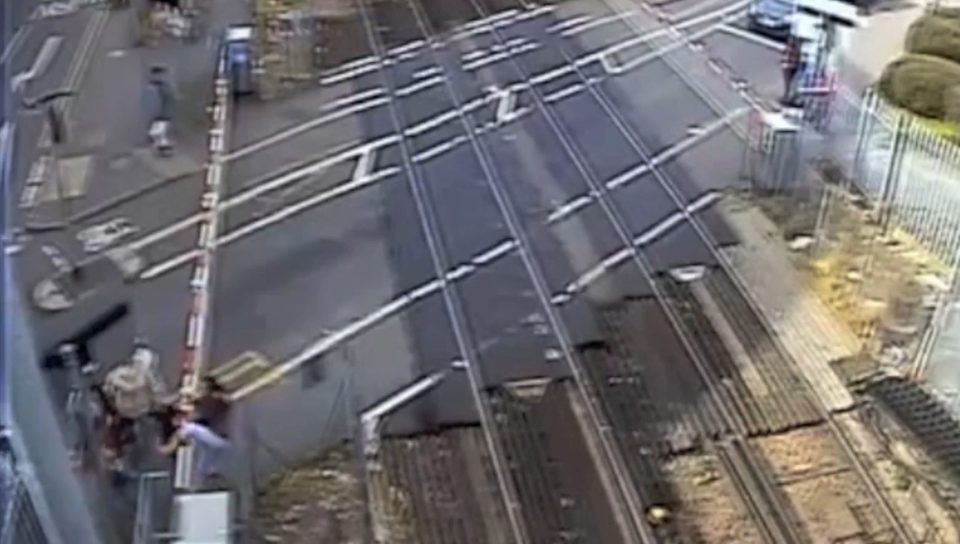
point(205, 428)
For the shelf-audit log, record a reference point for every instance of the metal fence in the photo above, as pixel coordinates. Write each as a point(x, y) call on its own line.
point(154, 503)
point(903, 168)
point(19, 522)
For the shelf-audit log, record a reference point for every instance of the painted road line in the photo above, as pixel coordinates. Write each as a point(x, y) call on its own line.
point(407, 47)
point(332, 339)
point(536, 12)
point(609, 19)
point(419, 86)
point(49, 49)
point(568, 23)
point(14, 44)
point(536, 79)
point(305, 127)
point(565, 92)
point(427, 72)
point(262, 187)
point(349, 74)
point(364, 166)
point(497, 57)
point(753, 37)
point(473, 55)
point(620, 256)
point(173, 263)
point(439, 149)
point(623, 67)
point(356, 97)
point(579, 202)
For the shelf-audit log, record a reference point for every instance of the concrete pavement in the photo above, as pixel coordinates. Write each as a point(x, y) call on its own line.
point(879, 41)
point(107, 156)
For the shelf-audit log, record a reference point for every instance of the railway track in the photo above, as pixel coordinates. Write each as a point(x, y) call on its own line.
point(512, 442)
point(775, 514)
point(441, 488)
point(661, 405)
point(439, 255)
point(732, 415)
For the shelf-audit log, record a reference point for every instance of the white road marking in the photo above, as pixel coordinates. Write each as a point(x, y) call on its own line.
point(349, 74)
point(495, 252)
point(35, 179)
point(272, 219)
point(439, 149)
point(564, 93)
point(60, 263)
point(612, 69)
point(427, 72)
point(567, 23)
point(331, 339)
point(573, 31)
point(623, 254)
point(316, 200)
point(356, 97)
point(407, 47)
point(753, 37)
point(471, 55)
point(577, 203)
point(305, 127)
point(569, 208)
point(365, 165)
point(419, 86)
point(98, 237)
point(14, 44)
point(497, 57)
point(49, 49)
point(536, 12)
point(506, 102)
point(350, 65)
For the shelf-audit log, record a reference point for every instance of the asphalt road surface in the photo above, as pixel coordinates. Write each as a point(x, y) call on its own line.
point(466, 182)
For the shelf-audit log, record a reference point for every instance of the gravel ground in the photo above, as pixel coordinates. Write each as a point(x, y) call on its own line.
point(318, 502)
point(709, 504)
point(828, 496)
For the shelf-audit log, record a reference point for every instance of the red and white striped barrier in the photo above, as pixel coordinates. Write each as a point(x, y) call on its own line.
point(194, 352)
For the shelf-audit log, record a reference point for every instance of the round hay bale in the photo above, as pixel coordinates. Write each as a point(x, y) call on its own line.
point(920, 84)
point(935, 35)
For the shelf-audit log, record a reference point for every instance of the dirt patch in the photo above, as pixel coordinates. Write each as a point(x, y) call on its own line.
point(826, 493)
point(318, 502)
point(710, 507)
point(802, 451)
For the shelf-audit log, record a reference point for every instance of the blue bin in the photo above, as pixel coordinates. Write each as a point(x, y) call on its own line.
point(239, 53)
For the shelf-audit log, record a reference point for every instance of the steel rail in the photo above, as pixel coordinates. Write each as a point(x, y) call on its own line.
point(535, 272)
point(430, 226)
point(786, 532)
point(707, 238)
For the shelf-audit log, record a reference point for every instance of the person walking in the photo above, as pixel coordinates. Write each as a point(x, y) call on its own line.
point(160, 102)
point(790, 65)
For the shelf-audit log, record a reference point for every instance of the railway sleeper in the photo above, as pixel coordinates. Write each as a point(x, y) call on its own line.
point(775, 370)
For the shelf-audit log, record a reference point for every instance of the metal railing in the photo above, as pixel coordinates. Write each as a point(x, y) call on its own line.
point(154, 503)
